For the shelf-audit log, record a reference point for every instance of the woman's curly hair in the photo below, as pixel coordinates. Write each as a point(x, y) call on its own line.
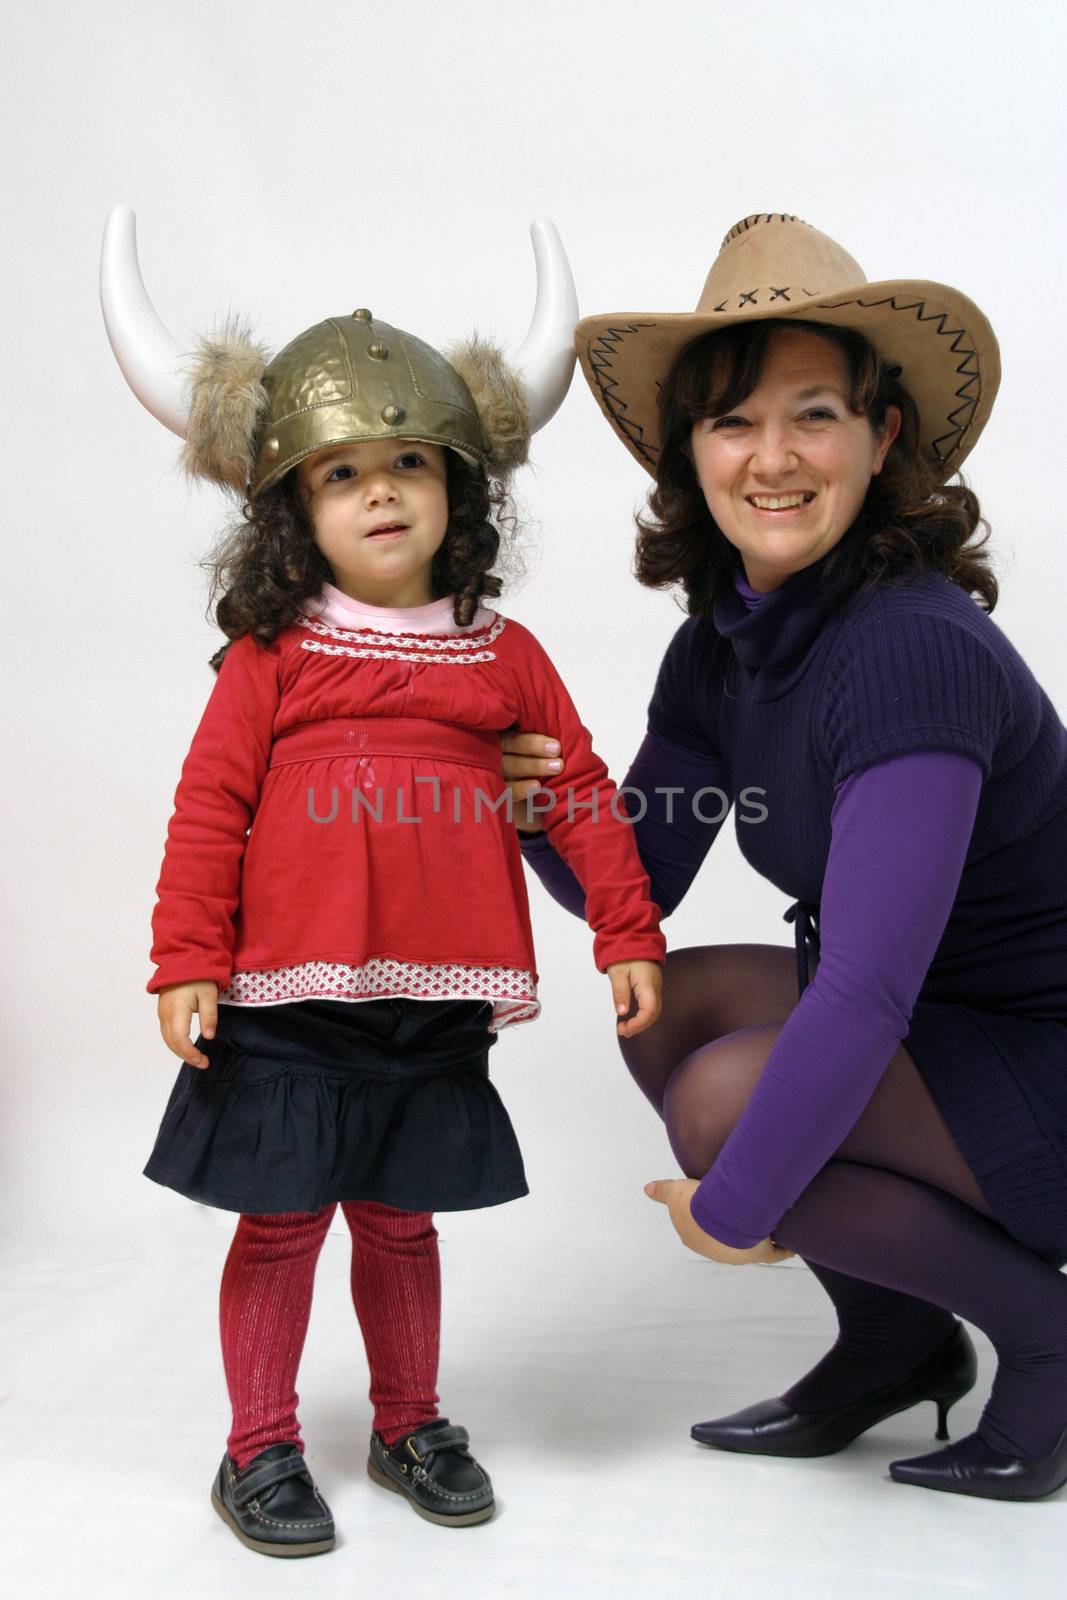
point(268, 565)
point(908, 518)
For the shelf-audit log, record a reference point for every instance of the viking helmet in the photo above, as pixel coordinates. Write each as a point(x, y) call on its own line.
point(247, 417)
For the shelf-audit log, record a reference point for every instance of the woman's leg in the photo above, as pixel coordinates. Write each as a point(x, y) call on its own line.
point(264, 1308)
point(396, 1290)
point(909, 1235)
point(712, 991)
point(899, 1207)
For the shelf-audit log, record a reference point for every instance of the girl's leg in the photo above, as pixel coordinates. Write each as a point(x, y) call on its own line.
point(396, 1290)
point(899, 1207)
point(712, 991)
point(264, 1307)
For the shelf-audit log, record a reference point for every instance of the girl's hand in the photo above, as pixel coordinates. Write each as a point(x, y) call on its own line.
point(675, 1194)
point(528, 757)
point(645, 980)
point(175, 1008)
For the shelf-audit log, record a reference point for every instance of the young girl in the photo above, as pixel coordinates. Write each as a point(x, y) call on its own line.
point(342, 899)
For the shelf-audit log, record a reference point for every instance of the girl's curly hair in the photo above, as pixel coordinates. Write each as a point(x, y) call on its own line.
point(268, 565)
point(908, 518)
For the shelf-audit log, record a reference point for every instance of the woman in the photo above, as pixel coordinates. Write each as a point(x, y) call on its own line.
point(899, 773)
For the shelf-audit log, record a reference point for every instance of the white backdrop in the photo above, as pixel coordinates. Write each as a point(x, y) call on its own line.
point(296, 162)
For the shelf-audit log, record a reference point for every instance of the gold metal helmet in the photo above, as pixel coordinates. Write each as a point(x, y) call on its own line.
point(248, 417)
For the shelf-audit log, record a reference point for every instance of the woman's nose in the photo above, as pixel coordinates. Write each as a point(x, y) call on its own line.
point(773, 452)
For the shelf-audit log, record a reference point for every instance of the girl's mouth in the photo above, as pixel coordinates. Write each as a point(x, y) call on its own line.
point(388, 530)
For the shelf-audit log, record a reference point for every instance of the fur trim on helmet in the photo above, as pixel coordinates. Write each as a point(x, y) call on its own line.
point(500, 400)
point(227, 397)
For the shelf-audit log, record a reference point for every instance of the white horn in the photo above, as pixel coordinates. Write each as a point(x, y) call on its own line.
point(546, 357)
point(151, 359)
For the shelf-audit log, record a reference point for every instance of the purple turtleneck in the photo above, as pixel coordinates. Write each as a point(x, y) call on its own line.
point(891, 878)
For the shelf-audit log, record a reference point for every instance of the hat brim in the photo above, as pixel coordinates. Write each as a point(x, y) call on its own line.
point(944, 345)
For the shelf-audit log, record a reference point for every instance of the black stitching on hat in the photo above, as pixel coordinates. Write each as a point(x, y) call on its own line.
point(600, 354)
point(747, 299)
point(968, 368)
point(780, 294)
point(762, 216)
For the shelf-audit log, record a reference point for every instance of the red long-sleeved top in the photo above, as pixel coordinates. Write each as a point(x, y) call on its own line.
point(294, 867)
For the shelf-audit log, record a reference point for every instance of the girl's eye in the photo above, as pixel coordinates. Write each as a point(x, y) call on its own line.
point(332, 477)
point(411, 458)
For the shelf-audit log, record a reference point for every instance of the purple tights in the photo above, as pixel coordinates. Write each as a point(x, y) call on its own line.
point(895, 1227)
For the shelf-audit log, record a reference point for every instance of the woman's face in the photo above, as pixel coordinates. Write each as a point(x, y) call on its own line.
point(379, 509)
point(785, 473)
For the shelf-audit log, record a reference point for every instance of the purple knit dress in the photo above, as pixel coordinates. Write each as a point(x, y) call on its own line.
point(894, 768)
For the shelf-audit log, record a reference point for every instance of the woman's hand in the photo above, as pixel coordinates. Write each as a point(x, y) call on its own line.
point(528, 757)
point(175, 1008)
point(637, 983)
point(675, 1194)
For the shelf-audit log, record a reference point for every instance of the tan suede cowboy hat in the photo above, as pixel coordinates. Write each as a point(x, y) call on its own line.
point(778, 266)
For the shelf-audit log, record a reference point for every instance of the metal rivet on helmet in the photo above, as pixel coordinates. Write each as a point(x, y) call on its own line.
point(362, 315)
point(270, 449)
point(392, 415)
point(377, 352)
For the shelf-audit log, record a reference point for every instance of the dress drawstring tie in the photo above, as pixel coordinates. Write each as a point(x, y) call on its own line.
point(805, 919)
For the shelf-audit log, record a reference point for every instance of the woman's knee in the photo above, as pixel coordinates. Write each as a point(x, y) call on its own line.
point(708, 1092)
point(709, 991)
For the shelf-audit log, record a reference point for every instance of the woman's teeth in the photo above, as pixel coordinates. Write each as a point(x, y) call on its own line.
point(780, 502)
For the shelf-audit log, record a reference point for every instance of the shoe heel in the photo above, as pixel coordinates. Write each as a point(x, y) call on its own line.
point(943, 1403)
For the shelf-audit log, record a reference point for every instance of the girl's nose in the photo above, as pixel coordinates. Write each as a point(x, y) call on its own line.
point(379, 486)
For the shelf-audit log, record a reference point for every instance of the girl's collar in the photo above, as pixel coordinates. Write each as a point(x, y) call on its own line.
point(341, 611)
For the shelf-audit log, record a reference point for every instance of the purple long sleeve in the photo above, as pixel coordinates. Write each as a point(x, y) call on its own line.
point(900, 833)
point(674, 833)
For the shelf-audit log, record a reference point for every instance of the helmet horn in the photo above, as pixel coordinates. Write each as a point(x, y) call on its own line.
point(545, 359)
point(151, 359)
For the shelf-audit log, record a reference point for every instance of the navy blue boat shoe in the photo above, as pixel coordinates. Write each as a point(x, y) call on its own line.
point(436, 1473)
point(272, 1505)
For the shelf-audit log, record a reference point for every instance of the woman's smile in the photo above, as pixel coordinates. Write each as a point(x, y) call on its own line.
point(781, 505)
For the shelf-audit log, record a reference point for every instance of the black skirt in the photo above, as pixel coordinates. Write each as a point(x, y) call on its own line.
point(329, 1100)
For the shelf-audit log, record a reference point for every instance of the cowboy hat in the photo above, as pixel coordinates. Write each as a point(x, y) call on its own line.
point(775, 265)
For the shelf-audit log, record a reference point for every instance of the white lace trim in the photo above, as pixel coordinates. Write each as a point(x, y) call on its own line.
point(448, 649)
point(512, 991)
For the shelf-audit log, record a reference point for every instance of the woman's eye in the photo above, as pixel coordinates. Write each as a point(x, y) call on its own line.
point(726, 422)
point(820, 412)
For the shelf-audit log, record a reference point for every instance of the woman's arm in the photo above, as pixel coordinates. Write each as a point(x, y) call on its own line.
point(900, 833)
point(679, 800)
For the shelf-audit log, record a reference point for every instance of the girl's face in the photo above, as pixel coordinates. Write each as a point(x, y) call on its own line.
point(785, 473)
point(379, 508)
